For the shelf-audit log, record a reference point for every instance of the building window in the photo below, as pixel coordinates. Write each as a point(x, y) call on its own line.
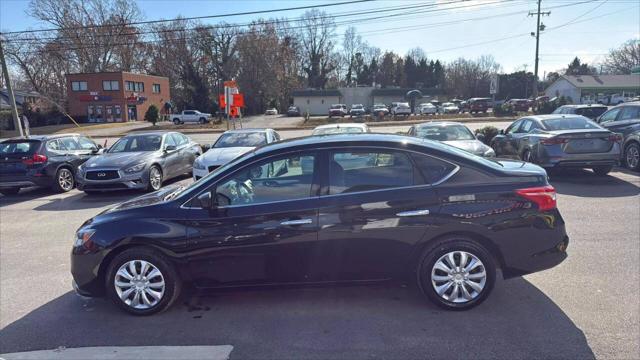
point(130, 85)
point(156, 88)
point(139, 87)
point(110, 85)
point(79, 85)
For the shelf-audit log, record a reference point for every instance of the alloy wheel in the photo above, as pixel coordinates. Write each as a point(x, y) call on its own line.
point(139, 284)
point(458, 276)
point(65, 179)
point(632, 157)
point(155, 178)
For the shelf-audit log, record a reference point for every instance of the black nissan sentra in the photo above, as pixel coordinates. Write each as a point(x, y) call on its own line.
point(372, 207)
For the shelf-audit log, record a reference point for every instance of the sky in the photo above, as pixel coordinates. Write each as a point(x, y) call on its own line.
point(584, 28)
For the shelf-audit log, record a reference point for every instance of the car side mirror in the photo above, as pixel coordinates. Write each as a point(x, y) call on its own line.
point(169, 148)
point(501, 132)
point(205, 200)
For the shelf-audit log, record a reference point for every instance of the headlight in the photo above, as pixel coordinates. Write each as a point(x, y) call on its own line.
point(135, 168)
point(83, 238)
point(81, 169)
point(198, 165)
point(489, 153)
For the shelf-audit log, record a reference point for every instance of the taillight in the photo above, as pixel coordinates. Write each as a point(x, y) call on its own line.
point(36, 159)
point(553, 141)
point(615, 137)
point(543, 196)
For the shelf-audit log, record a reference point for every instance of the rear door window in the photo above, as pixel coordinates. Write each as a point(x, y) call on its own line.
point(353, 171)
point(630, 113)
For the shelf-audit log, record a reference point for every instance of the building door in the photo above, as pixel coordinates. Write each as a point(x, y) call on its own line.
point(133, 112)
point(90, 115)
point(99, 117)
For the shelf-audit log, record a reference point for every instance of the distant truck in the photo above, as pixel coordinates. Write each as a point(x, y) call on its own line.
point(190, 116)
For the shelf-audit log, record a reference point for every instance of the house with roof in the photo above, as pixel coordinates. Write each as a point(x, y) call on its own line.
point(587, 89)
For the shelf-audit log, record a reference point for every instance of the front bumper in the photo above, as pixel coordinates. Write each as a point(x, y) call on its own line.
point(199, 173)
point(139, 180)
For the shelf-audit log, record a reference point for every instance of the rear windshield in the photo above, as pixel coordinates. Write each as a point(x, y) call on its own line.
point(245, 139)
point(592, 112)
point(570, 124)
point(445, 133)
point(19, 147)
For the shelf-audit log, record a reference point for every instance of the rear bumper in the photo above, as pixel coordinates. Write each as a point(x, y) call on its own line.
point(25, 181)
point(548, 158)
point(539, 261)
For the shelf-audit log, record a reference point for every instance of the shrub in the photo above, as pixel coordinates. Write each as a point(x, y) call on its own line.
point(489, 132)
point(505, 109)
point(151, 115)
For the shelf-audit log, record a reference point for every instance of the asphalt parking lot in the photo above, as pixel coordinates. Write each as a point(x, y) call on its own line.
point(588, 307)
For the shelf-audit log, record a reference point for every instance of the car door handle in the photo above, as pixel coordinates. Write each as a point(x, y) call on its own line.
point(413, 213)
point(296, 222)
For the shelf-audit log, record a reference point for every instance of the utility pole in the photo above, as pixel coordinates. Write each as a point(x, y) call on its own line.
point(539, 28)
point(12, 99)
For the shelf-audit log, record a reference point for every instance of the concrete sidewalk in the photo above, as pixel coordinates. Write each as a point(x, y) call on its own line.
point(220, 352)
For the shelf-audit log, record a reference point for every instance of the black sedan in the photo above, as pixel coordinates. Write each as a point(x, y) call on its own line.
point(560, 141)
point(139, 161)
point(46, 161)
point(372, 207)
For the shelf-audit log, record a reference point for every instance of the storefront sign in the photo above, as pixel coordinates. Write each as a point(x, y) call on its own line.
point(94, 98)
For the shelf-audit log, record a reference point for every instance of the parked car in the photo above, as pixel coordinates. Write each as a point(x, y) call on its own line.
point(293, 111)
point(380, 110)
point(586, 110)
point(449, 108)
point(230, 145)
point(43, 160)
point(357, 110)
point(476, 105)
point(400, 108)
point(347, 128)
point(139, 161)
point(520, 104)
point(625, 120)
point(560, 141)
point(190, 116)
point(414, 210)
point(428, 108)
point(271, 111)
point(338, 110)
point(451, 133)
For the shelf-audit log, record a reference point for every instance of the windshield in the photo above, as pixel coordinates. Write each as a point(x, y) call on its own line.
point(591, 112)
point(338, 130)
point(445, 133)
point(357, 107)
point(573, 123)
point(136, 143)
point(18, 148)
point(243, 139)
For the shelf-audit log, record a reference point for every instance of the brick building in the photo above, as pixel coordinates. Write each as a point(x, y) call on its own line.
point(115, 96)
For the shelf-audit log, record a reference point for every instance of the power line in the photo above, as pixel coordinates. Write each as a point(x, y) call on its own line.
point(193, 17)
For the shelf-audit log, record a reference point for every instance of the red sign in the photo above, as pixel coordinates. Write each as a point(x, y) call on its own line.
point(231, 84)
point(238, 100)
point(221, 101)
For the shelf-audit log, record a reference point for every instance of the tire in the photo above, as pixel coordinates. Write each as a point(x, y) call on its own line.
point(176, 121)
point(631, 156)
point(526, 156)
point(154, 184)
point(10, 191)
point(602, 170)
point(152, 297)
point(202, 121)
point(484, 273)
point(64, 180)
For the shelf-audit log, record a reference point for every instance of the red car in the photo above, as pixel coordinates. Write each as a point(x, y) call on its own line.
point(476, 105)
point(520, 104)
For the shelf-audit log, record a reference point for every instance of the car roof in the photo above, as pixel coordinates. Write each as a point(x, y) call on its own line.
point(244, 131)
point(364, 139)
point(340, 125)
point(42, 137)
point(144, 133)
point(439, 123)
point(554, 117)
point(578, 106)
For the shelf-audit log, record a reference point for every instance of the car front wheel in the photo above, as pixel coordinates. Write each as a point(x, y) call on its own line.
point(456, 273)
point(632, 156)
point(155, 178)
point(63, 181)
point(142, 282)
point(176, 121)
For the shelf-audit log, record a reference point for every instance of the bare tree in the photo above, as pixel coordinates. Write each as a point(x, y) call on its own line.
point(317, 47)
point(623, 59)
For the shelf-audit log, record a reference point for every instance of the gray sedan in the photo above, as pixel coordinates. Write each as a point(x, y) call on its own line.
point(452, 133)
point(560, 141)
point(139, 161)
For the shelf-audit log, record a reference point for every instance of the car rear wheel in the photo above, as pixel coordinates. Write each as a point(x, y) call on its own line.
point(142, 282)
point(10, 191)
point(602, 170)
point(632, 156)
point(155, 178)
point(64, 181)
point(456, 273)
point(202, 121)
point(176, 121)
